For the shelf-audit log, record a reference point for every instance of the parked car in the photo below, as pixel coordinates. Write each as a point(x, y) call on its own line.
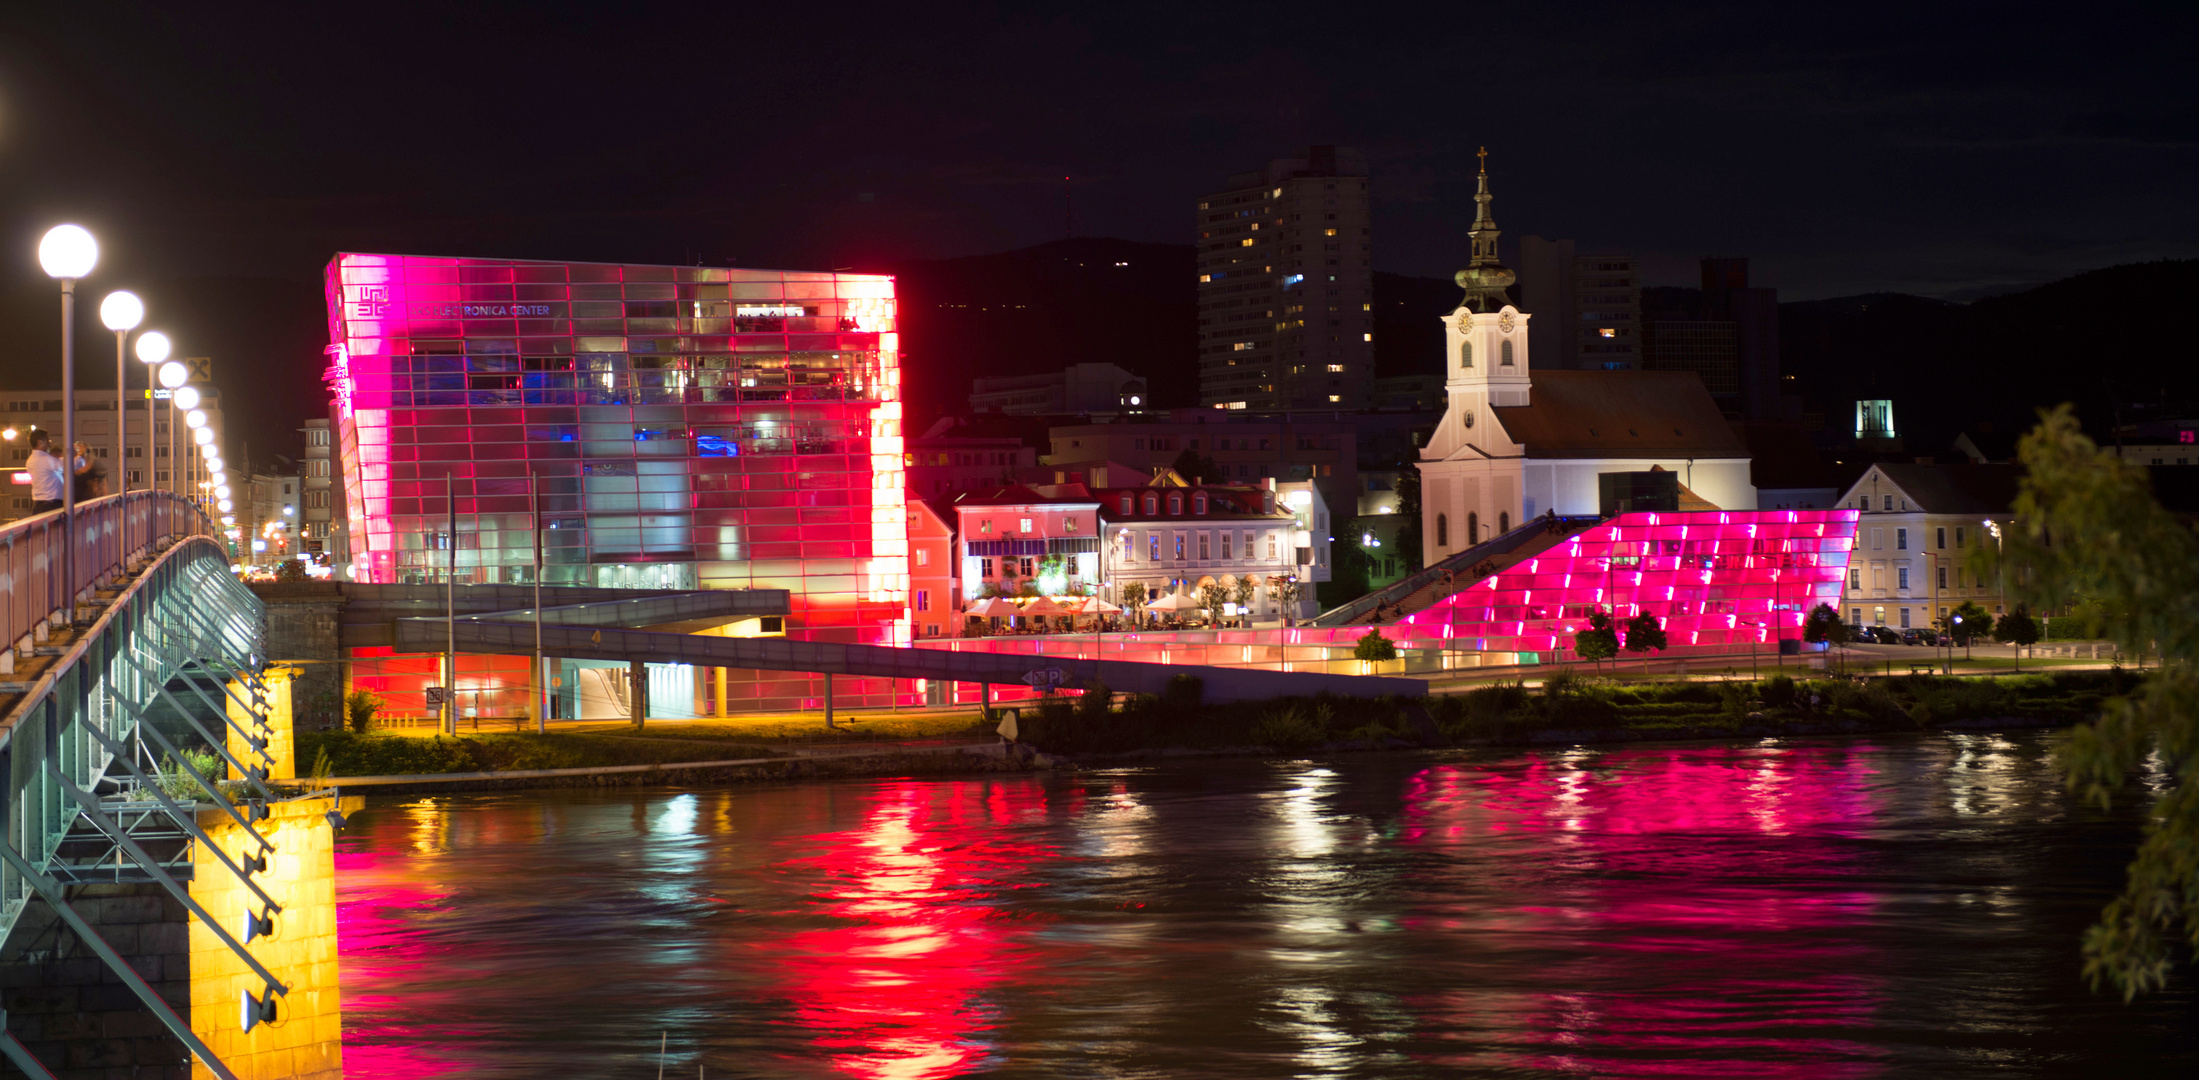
point(1885, 635)
point(1916, 637)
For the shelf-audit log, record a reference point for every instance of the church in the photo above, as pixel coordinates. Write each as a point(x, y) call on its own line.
point(1515, 444)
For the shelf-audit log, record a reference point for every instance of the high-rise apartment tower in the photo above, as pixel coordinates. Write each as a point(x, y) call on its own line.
point(1286, 286)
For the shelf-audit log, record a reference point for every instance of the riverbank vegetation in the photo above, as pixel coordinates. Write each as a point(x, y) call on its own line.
point(1568, 707)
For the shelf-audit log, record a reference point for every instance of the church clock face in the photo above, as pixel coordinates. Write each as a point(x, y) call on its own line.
point(1466, 417)
point(1465, 324)
point(1504, 322)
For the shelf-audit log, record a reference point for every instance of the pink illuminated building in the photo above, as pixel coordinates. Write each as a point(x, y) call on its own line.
point(685, 427)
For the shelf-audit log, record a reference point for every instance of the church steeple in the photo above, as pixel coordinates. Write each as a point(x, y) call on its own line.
point(1484, 279)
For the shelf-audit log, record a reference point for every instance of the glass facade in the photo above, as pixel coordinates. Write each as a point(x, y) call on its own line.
point(684, 427)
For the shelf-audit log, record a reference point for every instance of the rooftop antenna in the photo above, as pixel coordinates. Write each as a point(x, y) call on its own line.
point(1068, 212)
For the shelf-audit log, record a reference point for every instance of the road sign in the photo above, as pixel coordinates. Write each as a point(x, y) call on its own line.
point(1052, 676)
point(437, 696)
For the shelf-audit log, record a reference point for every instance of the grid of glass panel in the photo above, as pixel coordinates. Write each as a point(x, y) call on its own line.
point(685, 427)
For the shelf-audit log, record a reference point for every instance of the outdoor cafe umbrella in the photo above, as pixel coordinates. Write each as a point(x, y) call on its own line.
point(1097, 606)
point(1044, 606)
point(996, 607)
point(1173, 602)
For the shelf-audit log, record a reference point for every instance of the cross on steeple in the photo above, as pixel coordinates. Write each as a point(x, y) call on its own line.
point(1483, 154)
point(1484, 279)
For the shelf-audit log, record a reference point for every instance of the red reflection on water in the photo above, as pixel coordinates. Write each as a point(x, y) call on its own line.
point(896, 988)
point(1688, 916)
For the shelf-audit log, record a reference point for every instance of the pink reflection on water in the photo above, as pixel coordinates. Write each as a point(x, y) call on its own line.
point(896, 988)
point(1687, 919)
point(382, 945)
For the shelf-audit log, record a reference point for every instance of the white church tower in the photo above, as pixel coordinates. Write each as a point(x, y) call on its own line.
point(1470, 470)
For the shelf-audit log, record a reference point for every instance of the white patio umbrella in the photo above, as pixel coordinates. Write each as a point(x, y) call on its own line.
point(995, 607)
point(1172, 602)
point(1044, 606)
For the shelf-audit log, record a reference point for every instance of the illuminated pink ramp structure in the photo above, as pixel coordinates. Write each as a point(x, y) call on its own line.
point(1718, 578)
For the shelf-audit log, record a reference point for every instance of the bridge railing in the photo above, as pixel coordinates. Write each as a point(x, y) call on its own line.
point(38, 579)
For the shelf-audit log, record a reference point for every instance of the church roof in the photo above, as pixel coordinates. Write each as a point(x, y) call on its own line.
point(1664, 414)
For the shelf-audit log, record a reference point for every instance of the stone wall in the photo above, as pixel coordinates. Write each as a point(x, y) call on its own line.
point(303, 623)
point(305, 1040)
point(74, 1014)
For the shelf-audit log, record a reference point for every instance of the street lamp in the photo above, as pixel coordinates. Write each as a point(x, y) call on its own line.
point(67, 253)
point(173, 374)
point(152, 349)
point(121, 311)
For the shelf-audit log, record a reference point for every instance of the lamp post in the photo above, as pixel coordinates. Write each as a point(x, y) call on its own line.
point(173, 374)
point(67, 253)
point(152, 349)
point(122, 311)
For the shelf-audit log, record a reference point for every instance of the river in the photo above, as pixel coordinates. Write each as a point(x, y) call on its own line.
point(1872, 907)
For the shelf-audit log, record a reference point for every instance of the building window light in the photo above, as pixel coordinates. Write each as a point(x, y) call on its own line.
point(1370, 337)
point(1335, 398)
point(1336, 367)
point(1246, 242)
point(1607, 332)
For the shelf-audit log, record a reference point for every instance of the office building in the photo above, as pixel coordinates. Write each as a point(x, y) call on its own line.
point(653, 426)
point(1074, 390)
point(1730, 338)
point(1588, 308)
point(95, 427)
point(1286, 286)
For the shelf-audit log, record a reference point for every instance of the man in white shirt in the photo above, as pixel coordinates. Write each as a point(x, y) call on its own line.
point(47, 474)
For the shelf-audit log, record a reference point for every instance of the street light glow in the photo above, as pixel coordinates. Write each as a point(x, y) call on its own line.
point(152, 347)
point(174, 373)
point(122, 310)
point(187, 397)
point(68, 252)
point(196, 418)
point(202, 436)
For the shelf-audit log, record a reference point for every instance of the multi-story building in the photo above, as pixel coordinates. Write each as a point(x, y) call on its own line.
point(271, 520)
point(1589, 307)
point(1286, 286)
point(932, 598)
point(1046, 537)
point(655, 427)
point(1730, 338)
point(1919, 526)
point(1246, 447)
point(1076, 389)
point(943, 466)
point(322, 536)
point(1171, 539)
point(95, 427)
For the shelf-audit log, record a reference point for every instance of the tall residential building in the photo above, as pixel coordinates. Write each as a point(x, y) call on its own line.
point(322, 536)
point(1286, 286)
point(1590, 306)
point(1730, 338)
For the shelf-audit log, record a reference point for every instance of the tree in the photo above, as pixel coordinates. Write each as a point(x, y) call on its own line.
point(1347, 575)
point(1247, 586)
point(2017, 629)
point(359, 709)
point(1196, 468)
point(2113, 543)
point(1133, 601)
point(1285, 589)
point(1968, 622)
point(1599, 642)
point(290, 570)
point(1823, 625)
point(1212, 596)
point(1373, 646)
point(1408, 516)
point(1643, 634)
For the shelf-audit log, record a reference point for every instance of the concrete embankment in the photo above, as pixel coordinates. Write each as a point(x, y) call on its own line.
point(884, 761)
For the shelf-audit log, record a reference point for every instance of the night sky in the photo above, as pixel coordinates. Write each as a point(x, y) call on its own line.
point(1947, 150)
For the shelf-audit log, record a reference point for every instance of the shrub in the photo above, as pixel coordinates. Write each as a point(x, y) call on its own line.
point(1289, 730)
point(1183, 692)
point(359, 709)
point(1644, 634)
point(1778, 691)
point(351, 754)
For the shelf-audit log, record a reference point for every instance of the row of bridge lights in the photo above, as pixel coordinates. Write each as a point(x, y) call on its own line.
point(68, 253)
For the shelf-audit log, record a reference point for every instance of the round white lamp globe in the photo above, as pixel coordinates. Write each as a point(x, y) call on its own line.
point(152, 346)
point(122, 310)
point(225, 506)
point(196, 418)
point(202, 436)
point(187, 397)
point(68, 251)
point(174, 374)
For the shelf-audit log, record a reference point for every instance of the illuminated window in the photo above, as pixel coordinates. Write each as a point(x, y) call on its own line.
point(1153, 547)
point(923, 557)
point(1335, 398)
point(1607, 332)
point(1023, 525)
point(1179, 547)
point(1328, 232)
point(1336, 367)
point(985, 527)
point(1366, 337)
point(1069, 524)
point(1271, 548)
point(1247, 242)
point(923, 603)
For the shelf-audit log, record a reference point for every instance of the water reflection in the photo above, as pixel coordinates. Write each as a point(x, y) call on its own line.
point(1835, 909)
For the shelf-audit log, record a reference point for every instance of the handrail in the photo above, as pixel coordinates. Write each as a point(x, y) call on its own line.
point(110, 532)
point(1343, 614)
